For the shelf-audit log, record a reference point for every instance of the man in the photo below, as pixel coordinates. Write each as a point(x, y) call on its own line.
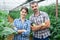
point(41, 22)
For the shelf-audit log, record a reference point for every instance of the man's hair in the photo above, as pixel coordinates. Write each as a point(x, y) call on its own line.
point(32, 2)
point(24, 8)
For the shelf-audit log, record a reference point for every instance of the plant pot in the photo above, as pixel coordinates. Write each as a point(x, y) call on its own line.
point(30, 38)
point(10, 37)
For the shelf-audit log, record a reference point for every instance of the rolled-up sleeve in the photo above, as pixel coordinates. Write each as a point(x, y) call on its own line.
point(46, 16)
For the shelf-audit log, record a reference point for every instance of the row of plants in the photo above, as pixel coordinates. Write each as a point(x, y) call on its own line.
point(5, 26)
point(55, 24)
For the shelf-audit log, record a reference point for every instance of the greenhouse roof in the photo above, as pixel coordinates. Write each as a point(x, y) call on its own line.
point(10, 4)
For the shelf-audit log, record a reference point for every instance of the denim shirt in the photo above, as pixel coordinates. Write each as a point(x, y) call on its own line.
point(18, 25)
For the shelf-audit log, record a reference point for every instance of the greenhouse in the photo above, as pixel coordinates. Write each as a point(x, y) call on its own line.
point(13, 9)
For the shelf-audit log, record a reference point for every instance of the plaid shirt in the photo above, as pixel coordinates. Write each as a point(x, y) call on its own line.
point(39, 20)
point(18, 26)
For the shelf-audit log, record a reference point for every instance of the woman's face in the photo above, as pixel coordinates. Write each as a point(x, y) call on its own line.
point(23, 13)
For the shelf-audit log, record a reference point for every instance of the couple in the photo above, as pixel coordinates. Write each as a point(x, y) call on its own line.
point(40, 27)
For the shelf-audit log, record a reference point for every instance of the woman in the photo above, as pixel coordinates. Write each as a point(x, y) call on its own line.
point(22, 26)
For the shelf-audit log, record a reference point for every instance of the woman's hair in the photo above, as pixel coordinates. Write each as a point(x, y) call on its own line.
point(24, 8)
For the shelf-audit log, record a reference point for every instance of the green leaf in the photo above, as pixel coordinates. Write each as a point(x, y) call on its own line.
point(7, 31)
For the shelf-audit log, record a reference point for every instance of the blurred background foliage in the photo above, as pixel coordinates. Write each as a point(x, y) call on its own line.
point(5, 26)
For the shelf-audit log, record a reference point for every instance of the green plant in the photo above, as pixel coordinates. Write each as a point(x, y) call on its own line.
point(5, 26)
point(14, 14)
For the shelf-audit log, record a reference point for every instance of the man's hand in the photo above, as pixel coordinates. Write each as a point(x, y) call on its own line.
point(45, 25)
point(35, 28)
point(41, 26)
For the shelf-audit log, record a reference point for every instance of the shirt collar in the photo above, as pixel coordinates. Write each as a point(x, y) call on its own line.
point(20, 19)
point(38, 15)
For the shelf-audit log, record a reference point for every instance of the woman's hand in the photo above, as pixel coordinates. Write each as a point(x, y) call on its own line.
point(20, 31)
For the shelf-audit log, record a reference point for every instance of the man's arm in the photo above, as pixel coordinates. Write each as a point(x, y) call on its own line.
point(41, 26)
point(44, 26)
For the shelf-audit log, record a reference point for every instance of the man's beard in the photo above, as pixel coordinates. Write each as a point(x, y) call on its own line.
point(35, 10)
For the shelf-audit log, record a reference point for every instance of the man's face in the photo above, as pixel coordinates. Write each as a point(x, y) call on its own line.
point(23, 13)
point(34, 7)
